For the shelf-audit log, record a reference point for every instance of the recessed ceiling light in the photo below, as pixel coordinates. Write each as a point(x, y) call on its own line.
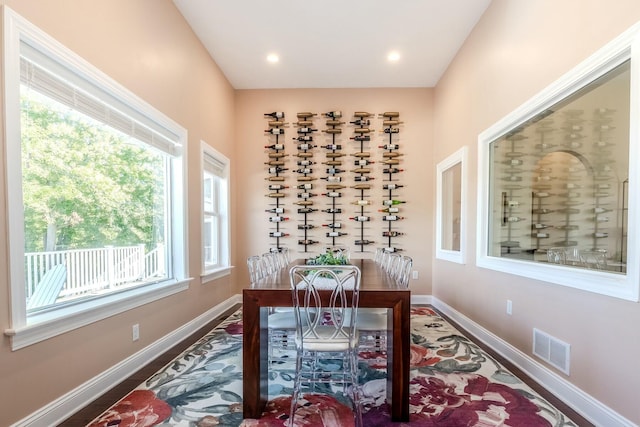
point(393, 56)
point(273, 58)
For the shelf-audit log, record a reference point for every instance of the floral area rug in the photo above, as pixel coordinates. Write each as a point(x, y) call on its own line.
point(453, 383)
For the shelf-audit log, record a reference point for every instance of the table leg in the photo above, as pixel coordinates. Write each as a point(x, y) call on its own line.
point(398, 362)
point(254, 357)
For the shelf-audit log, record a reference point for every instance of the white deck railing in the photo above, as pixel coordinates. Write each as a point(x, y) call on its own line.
point(96, 270)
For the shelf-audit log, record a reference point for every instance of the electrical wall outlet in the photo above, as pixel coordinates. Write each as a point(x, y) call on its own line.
point(509, 307)
point(135, 332)
point(414, 275)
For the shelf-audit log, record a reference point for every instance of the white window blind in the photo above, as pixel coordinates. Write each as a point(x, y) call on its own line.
point(213, 165)
point(43, 74)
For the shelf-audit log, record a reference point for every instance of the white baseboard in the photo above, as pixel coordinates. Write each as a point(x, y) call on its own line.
point(70, 403)
point(593, 410)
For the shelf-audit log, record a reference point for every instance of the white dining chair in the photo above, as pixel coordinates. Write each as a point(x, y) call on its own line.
point(326, 334)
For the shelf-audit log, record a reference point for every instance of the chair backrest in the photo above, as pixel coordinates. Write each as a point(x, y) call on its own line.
point(377, 258)
point(330, 320)
point(594, 259)
point(256, 268)
point(404, 272)
point(49, 287)
point(270, 262)
point(392, 264)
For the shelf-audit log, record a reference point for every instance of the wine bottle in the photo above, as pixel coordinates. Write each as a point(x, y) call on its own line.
point(333, 225)
point(306, 226)
point(306, 210)
point(392, 170)
point(277, 187)
point(303, 154)
point(275, 115)
point(391, 122)
point(389, 154)
point(361, 170)
point(391, 130)
point(304, 138)
point(600, 235)
point(336, 130)
point(306, 195)
point(540, 235)
point(363, 242)
point(362, 162)
point(389, 146)
point(361, 154)
point(275, 178)
point(362, 186)
point(306, 146)
point(275, 146)
point(275, 210)
point(361, 122)
point(278, 234)
point(392, 218)
point(335, 234)
point(333, 155)
point(277, 169)
point(361, 138)
point(539, 226)
point(515, 219)
point(304, 123)
point(389, 210)
point(335, 186)
point(332, 162)
point(307, 242)
point(362, 178)
point(305, 115)
point(391, 186)
point(362, 114)
point(360, 218)
point(306, 130)
point(275, 131)
point(305, 178)
point(332, 210)
point(334, 123)
point(304, 203)
point(332, 146)
point(332, 194)
point(392, 249)
point(601, 210)
point(362, 130)
point(332, 178)
point(392, 202)
point(332, 171)
point(390, 114)
point(277, 155)
point(391, 162)
point(333, 114)
point(275, 163)
point(276, 123)
point(278, 218)
point(361, 202)
point(305, 186)
point(392, 233)
point(304, 170)
point(305, 163)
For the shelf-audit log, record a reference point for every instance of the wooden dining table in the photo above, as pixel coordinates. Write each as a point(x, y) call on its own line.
point(377, 290)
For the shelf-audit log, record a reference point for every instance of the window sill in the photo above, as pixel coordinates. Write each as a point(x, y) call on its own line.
point(214, 274)
point(50, 324)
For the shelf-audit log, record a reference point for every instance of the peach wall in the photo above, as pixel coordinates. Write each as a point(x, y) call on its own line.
point(516, 50)
point(147, 47)
point(415, 142)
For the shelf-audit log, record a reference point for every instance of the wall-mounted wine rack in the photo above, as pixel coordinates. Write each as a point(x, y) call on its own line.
point(391, 160)
point(340, 162)
point(276, 177)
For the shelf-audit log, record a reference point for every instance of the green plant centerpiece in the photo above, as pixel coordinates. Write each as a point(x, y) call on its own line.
point(329, 258)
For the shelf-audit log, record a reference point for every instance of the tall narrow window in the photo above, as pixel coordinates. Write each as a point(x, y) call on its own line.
point(94, 184)
point(215, 211)
point(451, 206)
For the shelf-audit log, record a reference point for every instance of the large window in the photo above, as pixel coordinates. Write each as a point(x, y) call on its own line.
point(556, 198)
point(95, 190)
point(451, 207)
point(215, 212)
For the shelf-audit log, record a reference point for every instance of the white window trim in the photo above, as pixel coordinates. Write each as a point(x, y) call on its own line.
point(624, 47)
point(224, 269)
point(459, 157)
point(15, 30)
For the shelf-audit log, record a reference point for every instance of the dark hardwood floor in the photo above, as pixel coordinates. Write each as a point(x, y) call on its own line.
point(95, 408)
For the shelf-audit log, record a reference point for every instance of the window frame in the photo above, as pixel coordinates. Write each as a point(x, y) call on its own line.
point(222, 202)
point(26, 330)
point(623, 48)
point(457, 158)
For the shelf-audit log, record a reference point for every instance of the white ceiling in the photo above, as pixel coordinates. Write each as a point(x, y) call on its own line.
point(332, 43)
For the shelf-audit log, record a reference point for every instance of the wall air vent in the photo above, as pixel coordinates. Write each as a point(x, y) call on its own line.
point(551, 350)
